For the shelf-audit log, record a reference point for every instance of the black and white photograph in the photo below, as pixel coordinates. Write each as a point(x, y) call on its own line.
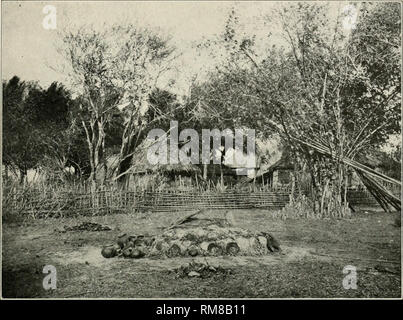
point(198, 150)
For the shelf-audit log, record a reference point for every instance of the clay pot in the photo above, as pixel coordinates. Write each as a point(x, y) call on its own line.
point(117, 248)
point(232, 248)
point(108, 251)
point(214, 249)
point(122, 240)
point(193, 251)
point(136, 254)
point(159, 245)
point(174, 251)
point(149, 241)
point(138, 242)
point(130, 244)
point(127, 252)
point(272, 244)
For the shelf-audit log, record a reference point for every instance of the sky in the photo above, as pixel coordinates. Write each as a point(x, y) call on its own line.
point(29, 50)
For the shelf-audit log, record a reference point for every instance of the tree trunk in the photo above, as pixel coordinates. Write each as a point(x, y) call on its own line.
point(221, 175)
point(23, 175)
point(131, 138)
point(125, 160)
point(205, 166)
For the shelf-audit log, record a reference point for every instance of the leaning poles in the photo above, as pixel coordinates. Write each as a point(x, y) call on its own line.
point(366, 174)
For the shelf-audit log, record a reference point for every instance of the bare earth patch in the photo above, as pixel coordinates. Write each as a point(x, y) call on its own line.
point(314, 253)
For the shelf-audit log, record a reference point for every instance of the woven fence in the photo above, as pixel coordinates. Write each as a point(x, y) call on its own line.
point(113, 201)
point(364, 198)
point(129, 201)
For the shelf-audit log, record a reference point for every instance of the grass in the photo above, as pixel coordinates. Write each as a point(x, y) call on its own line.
point(314, 255)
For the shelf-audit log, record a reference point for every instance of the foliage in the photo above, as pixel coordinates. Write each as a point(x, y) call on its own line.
point(38, 129)
point(18, 147)
point(337, 86)
point(114, 70)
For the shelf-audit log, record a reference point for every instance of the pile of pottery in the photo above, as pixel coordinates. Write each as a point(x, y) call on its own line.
point(128, 247)
point(192, 241)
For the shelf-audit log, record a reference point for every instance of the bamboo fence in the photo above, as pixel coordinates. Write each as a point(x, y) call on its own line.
point(115, 201)
point(111, 201)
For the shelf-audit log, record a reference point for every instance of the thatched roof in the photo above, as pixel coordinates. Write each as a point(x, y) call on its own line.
point(274, 157)
point(141, 165)
point(284, 163)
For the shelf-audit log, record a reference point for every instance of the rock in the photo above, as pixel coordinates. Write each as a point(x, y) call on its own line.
point(193, 274)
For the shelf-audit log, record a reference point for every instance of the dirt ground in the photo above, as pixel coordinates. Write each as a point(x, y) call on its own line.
point(314, 253)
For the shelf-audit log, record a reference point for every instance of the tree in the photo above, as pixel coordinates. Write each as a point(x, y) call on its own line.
point(20, 143)
point(350, 96)
point(40, 132)
point(114, 69)
point(163, 107)
point(55, 128)
point(336, 87)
